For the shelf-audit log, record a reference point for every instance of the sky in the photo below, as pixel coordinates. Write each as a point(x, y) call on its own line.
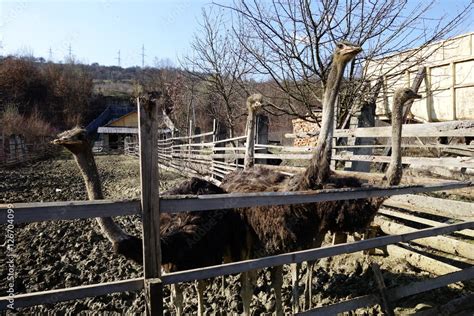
point(97, 30)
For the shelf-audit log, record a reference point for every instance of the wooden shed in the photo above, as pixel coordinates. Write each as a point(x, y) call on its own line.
point(448, 88)
point(113, 134)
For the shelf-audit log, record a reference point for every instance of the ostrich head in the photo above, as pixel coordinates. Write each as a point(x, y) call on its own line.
point(345, 51)
point(403, 95)
point(75, 140)
point(255, 102)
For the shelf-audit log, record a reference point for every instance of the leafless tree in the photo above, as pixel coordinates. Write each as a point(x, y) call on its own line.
point(290, 41)
point(221, 63)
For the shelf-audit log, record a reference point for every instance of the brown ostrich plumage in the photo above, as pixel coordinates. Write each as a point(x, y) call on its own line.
point(197, 239)
point(289, 227)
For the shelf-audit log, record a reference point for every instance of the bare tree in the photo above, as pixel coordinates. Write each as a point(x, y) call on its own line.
point(221, 63)
point(290, 41)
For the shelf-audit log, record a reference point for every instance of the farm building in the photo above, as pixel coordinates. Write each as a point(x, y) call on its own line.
point(448, 86)
point(113, 134)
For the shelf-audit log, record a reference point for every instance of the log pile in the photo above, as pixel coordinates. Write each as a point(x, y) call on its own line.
point(302, 126)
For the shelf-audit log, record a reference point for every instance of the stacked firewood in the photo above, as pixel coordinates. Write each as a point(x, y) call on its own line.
point(301, 126)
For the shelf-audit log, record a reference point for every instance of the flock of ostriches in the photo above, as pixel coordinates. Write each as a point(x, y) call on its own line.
point(245, 233)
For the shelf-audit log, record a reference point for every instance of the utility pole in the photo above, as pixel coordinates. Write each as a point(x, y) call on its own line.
point(143, 55)
point(50, 55)
point(70, 53)
point(118, 58)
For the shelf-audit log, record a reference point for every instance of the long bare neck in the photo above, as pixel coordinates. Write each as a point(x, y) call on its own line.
point(86, 162)
point(249, 159)
point(394, 171)
point(318, 170)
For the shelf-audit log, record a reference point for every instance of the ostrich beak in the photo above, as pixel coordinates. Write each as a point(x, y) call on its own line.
point(65, 141)
point(352, 50)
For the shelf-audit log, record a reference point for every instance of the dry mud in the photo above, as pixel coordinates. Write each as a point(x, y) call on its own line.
point(53, 255)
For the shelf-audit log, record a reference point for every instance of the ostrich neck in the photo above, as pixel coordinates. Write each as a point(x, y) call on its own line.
point(86, 162)
point(249, 160)
point(318, 170)
point(394, 171)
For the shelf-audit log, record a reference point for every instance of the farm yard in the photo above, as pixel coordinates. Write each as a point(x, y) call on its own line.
point(62, 254)
point(292, 158)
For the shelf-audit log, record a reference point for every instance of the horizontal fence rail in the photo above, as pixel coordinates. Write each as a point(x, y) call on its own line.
point(225, 201)
point(49, 211)
point(72, 293)
point(217, 157)
point(393, 294)
point(309, 255)
point(59, 295)
point(447, 129)
point(33, 212)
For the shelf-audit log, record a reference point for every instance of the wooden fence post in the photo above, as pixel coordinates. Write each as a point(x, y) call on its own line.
point(190, 140)
point(262, 136)
point(420, 75)
point(148, 124)
point(366, 118)
point(214, 138)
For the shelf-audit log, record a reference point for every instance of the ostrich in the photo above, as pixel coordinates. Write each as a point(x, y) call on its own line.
point(254, 104)
point(75, 140)
point(285, 228)
point(188, 240)
point(349, 216)
point(278, 229)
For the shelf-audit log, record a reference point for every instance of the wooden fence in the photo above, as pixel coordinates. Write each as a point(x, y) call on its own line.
point(206, 156)
point(151, 205)
point(14, 150)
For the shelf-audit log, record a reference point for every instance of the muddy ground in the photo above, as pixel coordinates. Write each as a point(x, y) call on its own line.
point(52, 255)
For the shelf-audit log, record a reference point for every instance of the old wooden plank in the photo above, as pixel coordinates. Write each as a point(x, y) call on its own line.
point(435, 206)
point(72, 293)
point(225, 201)
point(37, 212)
point(420, 261)
point(308, 255)
point(230, 139)
point(31, 212)
point(421, 220)
point(394, 294)
point(150, 203)
point(154, 290)
point(384, 300)
point(442, 243)
point(448, 129)
point(461, 162)
point(431, 284)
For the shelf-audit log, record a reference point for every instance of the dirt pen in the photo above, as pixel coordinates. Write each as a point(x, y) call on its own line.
point(207, 160)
